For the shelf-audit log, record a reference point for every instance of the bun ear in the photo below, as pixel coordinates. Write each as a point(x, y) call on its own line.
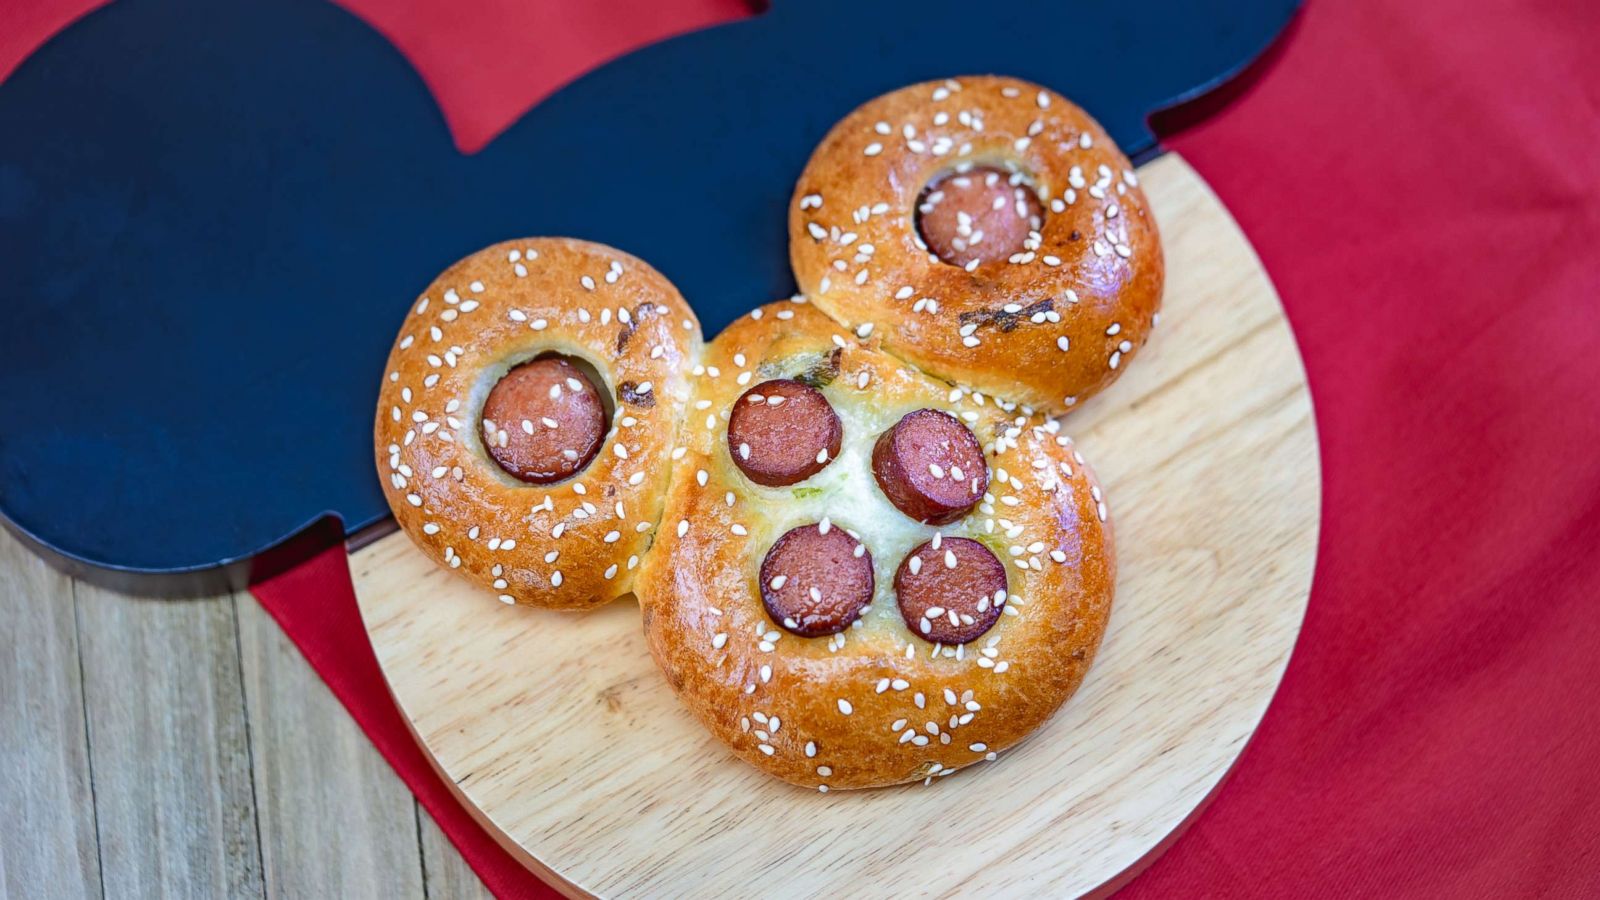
point(1050, 318)
point(554, 504)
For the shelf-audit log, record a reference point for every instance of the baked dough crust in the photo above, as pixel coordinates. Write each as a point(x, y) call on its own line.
point(1049, 328)
point(574, 544)
point(876, 704)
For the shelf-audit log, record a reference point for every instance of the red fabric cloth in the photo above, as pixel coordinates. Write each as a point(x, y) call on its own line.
point(1422, 181)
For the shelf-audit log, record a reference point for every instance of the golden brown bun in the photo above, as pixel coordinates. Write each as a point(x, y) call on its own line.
point(573, 544)
point(666, 511)
point(854, 710)
point(998, 328)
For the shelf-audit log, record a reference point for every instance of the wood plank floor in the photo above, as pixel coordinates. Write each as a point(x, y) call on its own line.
point(183, 748)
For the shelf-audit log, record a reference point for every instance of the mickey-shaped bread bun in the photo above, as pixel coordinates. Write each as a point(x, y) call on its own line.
point(527, 414)
point(862, 553)
point(864, 576)
point(988, 231)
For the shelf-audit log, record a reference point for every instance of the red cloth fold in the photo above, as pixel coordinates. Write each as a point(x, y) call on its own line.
point(1422, 180)
point(316, 606)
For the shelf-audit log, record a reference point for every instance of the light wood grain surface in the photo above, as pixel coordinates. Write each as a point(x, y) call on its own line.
point(558, 728)
point(183, 748)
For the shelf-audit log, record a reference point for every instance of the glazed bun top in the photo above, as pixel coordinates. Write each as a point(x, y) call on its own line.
point(527, 414)
point(897, 627)
point(988, 231)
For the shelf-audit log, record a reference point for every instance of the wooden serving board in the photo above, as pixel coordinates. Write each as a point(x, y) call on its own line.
point(561, 735)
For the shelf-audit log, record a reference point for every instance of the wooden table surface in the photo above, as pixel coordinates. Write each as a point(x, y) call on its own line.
point(183, 748)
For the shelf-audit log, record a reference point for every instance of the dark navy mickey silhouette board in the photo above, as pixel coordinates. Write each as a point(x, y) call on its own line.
point(213, 217)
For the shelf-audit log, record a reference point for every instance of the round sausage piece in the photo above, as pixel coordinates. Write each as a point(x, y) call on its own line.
point(983, 214)
point(930, 466)
point(782, 432)
point(543, 421)
point(816, 580)
point(950, 590)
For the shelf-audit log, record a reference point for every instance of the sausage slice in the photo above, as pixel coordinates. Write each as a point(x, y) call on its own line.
point(950, 590)
point(982, 214)
point(782, 432)
point(816, 579)
point(930, 466)
point(544, 421)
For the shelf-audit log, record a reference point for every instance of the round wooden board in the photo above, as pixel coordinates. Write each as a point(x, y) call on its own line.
point(561, 735)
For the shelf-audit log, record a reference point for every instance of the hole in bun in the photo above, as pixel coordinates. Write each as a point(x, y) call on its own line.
point(978, 213)
point(544, 419)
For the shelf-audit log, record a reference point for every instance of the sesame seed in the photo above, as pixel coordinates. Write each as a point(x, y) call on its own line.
point(845, 707)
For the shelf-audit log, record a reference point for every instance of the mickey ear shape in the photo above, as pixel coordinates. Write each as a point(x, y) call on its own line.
point(989, 231)
point(527, 416)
